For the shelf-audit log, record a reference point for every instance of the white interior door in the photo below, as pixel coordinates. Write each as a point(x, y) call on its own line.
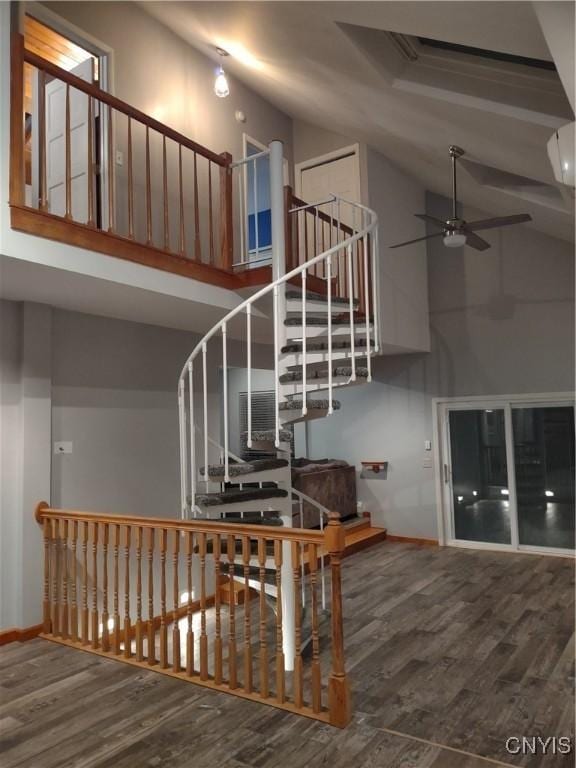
point(56, 144)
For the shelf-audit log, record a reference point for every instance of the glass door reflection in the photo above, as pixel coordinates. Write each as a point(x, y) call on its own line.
point(544, 466)
point(479, 475)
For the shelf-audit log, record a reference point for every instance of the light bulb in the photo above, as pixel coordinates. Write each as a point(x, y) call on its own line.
point(221, 88)
point(454, 239)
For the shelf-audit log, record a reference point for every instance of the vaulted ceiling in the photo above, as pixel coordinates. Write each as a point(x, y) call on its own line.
point(337, 65)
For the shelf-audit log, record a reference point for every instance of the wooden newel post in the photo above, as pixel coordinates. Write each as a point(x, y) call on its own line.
point(339, 703)
point(226, 216)
point(46, 607)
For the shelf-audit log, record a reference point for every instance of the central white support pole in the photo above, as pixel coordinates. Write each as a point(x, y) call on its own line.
point(277, 216)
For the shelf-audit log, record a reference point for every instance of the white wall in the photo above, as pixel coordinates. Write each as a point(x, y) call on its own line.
point(25, 375)
point(502, 322)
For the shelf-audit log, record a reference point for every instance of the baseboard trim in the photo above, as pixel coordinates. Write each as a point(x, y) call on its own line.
point(19, 635)
point(413, 540)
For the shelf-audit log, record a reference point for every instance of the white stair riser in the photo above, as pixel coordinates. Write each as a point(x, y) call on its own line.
point(316, 331)
point(281, 505)
point(291, 360)
point(265, 476)
point(294, 307)
point(319, 385)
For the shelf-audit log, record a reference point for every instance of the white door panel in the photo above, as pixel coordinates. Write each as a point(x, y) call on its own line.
point(56, 145)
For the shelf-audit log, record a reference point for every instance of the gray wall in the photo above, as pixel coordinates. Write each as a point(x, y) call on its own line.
point(502, 322)
point(312, 141)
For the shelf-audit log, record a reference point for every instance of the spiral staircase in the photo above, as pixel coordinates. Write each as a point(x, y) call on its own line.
point(319, 340)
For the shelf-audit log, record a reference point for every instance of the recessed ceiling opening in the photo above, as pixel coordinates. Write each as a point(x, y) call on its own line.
point(486, 54)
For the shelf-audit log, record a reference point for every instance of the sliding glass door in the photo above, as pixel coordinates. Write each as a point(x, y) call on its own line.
point(508, 474)
point(544, 468)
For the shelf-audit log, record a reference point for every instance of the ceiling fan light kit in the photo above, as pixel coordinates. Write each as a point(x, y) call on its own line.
point(456, 232)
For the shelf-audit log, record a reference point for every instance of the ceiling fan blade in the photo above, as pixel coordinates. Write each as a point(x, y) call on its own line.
point(475, 241)
point(431, 220)
point(498, 221)
point(417, 240)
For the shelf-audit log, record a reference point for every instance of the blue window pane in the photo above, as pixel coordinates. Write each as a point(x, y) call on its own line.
point(264, 230)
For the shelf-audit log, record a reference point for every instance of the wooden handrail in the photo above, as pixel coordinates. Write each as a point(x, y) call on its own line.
point(121, 106)
point(314, 210)
point(43, 511)
point(94, 598)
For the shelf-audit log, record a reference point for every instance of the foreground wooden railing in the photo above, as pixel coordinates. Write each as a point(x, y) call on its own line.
point(163, 594)
point(164, 201)
point(312, 229)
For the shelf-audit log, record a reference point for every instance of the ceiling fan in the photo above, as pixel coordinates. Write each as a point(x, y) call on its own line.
point(457, 232)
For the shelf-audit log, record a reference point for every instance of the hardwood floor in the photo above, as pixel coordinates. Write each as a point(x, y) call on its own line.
point(450, 653)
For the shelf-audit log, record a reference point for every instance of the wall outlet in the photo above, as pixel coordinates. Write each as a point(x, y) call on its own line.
point(119, 157)
point(64, 446)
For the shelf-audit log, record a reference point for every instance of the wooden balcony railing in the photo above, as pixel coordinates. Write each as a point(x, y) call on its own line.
point(312, 228)
point(164, 594)
point(112, 179)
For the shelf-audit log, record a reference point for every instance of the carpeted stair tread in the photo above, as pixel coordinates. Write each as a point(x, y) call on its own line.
point(316, 404)
point(237, 470)
point(339, 370)
point(311, 296)
point(239, 495)
point(320, 322)
point(269, 435)
point(321, 345)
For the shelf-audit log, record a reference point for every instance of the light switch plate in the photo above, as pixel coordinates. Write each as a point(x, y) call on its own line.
point(64, 446)
point(427, 445)
point(119, 158)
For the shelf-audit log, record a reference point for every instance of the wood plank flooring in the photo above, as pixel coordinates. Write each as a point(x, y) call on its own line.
point(450, 652)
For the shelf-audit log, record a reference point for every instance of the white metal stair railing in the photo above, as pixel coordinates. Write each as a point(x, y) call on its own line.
point(196, 364)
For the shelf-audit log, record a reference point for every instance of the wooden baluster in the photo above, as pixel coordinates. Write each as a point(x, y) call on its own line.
point(163, 626)
point(130, 183)
point(55, 577)
point(165, 196)
point(210, 213)
point(148, 191)
point(84, 619)
point(176, 602)
point(182, 248)
point(46, 603)
point(338, 685)
point(247, 616)
point(64, 632)
point(73, 584)
point(105, 615)
point(264, 686)
point(280, 676)
point(95, 585)
point(232, 654)
point(203, 635)
point(139, 632)
point(217, 608)
point(316, 670)
point(190, 631)
point(110, 172)
point(115, 598)
point(67, 157)
point(226, 219)
point(197, 243)
point(298, 670)
point(151, 649)
point(43, 197)
point(127, 622)
point(90, 175)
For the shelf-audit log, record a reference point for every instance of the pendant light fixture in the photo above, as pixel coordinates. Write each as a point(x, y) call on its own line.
point(221, 87)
